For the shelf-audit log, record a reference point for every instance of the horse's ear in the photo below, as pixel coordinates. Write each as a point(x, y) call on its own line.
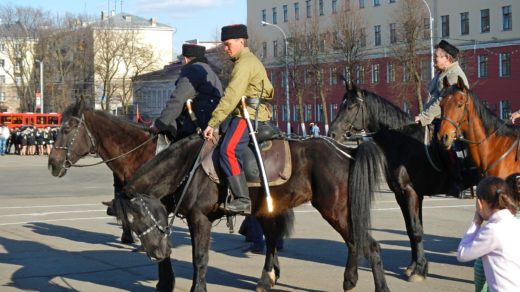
point(445, 82)
point(460, 83)
point(81, 104)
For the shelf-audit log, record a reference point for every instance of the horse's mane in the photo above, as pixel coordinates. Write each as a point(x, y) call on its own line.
point(385, 113)
point(490, 121)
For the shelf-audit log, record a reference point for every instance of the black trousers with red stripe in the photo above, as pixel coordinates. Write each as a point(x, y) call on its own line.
point(233, 145)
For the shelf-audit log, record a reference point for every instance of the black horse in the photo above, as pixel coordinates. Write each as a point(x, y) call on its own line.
point(340, 188)
point(414, 171)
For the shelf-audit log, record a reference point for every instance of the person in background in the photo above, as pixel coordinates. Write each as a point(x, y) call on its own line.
point(515, 116)
point(252, 230)
point(4, 135)
point(498, 240)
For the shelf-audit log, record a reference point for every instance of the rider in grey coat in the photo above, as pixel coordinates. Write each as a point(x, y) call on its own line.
point(197, 81)
point(447, 66)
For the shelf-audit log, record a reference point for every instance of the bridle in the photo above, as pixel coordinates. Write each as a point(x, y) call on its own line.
point(350, 124)
point(67, 163)
point(166, 230)
point(460, 137)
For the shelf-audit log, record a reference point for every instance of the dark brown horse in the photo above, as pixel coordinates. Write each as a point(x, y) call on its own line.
point(326, 185)
point(493, 145)
point(122, 146)
point(414, 170)
point(340, 188)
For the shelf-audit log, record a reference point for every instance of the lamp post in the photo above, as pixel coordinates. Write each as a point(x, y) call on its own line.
point(41, 85)
point(287, 99)
point(431, 38)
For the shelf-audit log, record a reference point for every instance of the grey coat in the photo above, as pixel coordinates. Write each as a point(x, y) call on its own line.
point(197, 81)
point(432, 106)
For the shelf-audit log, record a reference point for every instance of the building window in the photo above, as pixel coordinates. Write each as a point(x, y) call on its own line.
point(284, 113)
point(426, 25)
point(464, 23)
point(391, 1)
point(363, 38)
point(2, 47)
point(406, 74)
point(335, 40)
point(18, 80)
point(507, 18)
point(297, 10)
point(462, 63)
point(377, 35)
point(360, 74)
point(264, 50)
point(321, 42)
point(308, 8)
point(264, 15)
point(484, 20)
point(390, 73)
point(275, 48)
point(482, 66)
point(333, 77)
point(2, 63)
point(375, 73)
point(285, 13)
point(275, 21)
point(2, 79)
point(296, 112)
point(377, 2)
point(320, 6)
point(505, 109)
point(505, 64)
point(445, 26)
point(275, 113)
point(361, 3)
point(393, 33)
point(334, 6)
point(2, 96)
point(333, 109)
point(319, 111)
point(306, 79)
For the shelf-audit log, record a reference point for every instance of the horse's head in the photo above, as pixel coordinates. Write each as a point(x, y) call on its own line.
point(454, 106)
point(350, 119)
point(74, 140)
point(148, 218)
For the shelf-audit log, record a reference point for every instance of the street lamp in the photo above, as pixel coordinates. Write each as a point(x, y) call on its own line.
point(431, 38)
point(287, 99)
point(41, 85)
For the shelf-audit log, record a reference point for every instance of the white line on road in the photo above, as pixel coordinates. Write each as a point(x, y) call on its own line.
point(51, 213)
point(48, 206)
point(54, 220)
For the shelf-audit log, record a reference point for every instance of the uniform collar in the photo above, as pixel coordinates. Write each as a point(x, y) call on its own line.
point(240, 53)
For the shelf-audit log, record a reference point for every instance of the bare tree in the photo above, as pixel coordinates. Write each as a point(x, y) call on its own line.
point(297, 53)
point(19, 32)
point(408, 47)
point(348, 37)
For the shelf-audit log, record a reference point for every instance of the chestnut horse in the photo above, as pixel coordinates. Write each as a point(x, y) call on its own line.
point(415, 170)
point(124, 148)
point(493, 144)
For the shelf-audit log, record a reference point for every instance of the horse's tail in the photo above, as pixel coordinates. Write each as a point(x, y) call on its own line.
point(365, 173)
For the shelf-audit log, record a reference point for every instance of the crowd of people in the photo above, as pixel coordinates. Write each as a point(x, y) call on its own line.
point(27, 140)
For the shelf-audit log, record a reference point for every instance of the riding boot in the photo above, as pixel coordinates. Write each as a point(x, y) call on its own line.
point(241, 202)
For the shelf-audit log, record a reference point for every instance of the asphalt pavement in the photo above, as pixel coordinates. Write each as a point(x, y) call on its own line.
point(56, 236)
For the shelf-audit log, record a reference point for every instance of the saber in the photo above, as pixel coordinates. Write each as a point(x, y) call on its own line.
point(259, 156)
point(193, 117)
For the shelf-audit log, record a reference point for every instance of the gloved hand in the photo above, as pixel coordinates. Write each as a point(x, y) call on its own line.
point(155, 130)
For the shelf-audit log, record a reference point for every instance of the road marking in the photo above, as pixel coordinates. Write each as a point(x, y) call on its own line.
point(51, 213)
point(48, 206)
point(54, 220)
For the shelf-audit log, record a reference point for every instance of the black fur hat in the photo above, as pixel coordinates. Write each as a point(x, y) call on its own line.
point(235, 31)
point(448, 48)
point(190, 50)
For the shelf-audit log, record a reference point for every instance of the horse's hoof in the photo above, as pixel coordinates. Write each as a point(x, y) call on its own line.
point(350, 290)
point(416, 278)
point(408, 272)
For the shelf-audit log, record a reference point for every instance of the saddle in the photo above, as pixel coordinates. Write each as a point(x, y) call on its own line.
point(275, 153)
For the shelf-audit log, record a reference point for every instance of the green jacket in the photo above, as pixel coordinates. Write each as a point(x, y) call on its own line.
point(247, 78)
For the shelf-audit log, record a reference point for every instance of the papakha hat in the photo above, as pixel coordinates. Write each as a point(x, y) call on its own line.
point(191, 50)
point(448, 48)
point(235, 31)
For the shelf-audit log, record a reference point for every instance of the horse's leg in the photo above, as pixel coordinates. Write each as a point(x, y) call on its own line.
point(350, 275)
point(200, 231)
point(411, 207)
point(373, 255)
point(271, 269)
point(166, 276)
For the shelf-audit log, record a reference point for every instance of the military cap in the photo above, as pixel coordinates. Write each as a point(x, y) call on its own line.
point(235, 31)
point(448, 48)
point(191, 50)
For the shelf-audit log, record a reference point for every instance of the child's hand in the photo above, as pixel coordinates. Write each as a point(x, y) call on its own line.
point(477, 218)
